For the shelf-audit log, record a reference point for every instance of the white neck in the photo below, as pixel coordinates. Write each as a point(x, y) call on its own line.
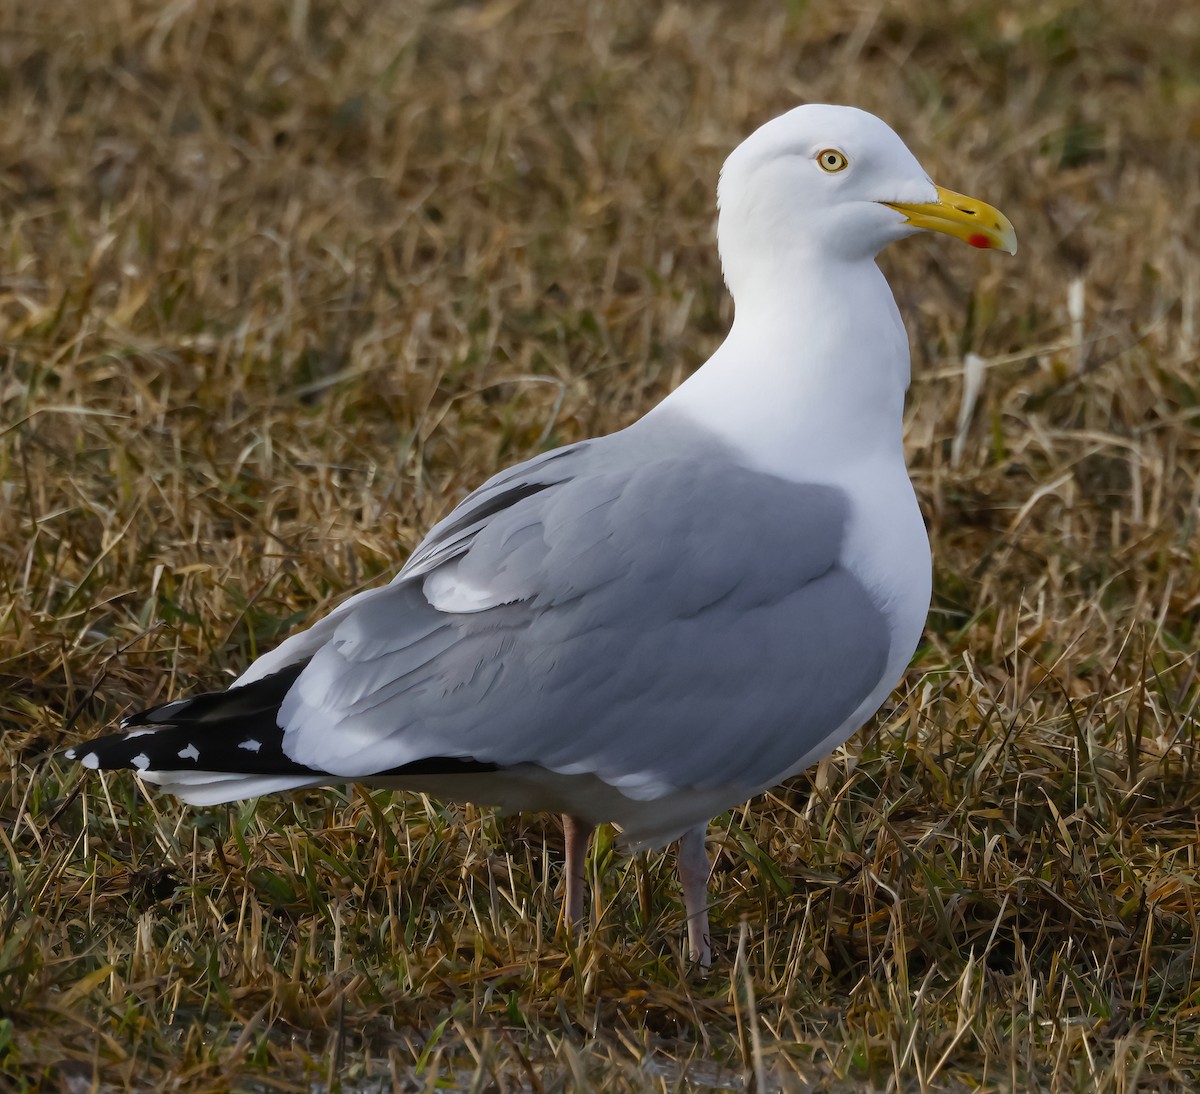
point(810, 382)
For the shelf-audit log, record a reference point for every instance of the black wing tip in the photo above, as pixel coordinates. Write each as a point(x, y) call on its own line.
point(236, 749)
point(141, 752)
point(232, 732)
point(160, 715)
point(86, 754)
point(440, 765)
point(259, 697)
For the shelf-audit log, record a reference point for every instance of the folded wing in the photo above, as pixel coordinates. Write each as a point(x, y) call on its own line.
point(642, 608)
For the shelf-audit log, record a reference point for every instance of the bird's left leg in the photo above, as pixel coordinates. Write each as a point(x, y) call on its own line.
point(576, 834)
point(693, 876)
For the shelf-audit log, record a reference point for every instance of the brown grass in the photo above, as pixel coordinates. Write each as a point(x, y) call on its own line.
point(281, 281)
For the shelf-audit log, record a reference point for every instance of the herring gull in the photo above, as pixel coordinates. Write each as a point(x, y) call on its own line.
point(650, 627)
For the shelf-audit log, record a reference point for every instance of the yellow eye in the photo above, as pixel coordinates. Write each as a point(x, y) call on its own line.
point(832, 160)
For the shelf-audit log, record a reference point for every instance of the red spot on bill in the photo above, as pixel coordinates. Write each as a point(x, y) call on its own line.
point(978, 239)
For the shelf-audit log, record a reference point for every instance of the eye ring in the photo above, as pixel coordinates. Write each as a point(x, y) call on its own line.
point(832, 161)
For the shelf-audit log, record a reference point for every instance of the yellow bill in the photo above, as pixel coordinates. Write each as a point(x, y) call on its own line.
point(965, 218)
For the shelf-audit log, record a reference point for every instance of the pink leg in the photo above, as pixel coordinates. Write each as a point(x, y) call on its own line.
point(693, 876)
point(576, 834)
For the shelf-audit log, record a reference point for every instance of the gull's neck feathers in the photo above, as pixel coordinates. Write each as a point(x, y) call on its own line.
point(810, 382)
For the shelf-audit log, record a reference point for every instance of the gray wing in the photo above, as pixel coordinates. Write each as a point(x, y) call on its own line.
point(643, 608)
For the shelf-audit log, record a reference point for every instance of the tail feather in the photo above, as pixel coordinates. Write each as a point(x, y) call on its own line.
point(214, 788)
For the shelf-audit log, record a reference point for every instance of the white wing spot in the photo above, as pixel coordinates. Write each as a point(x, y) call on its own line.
point(91, 760)
point(447, 593)
point(130, 734)
point(141, 761)
point(189, 753)
point(250, 744)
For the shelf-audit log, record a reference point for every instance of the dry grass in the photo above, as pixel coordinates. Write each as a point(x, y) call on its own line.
point(281, 281)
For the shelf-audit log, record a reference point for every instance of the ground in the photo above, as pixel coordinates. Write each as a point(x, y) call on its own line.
point(281, 281)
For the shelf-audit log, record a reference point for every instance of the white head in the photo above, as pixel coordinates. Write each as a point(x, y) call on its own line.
point(828, 184)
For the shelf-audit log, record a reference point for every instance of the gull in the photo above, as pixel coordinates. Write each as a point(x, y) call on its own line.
point(651, 627)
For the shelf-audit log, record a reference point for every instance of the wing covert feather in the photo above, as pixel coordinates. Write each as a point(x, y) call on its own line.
point(660, 620)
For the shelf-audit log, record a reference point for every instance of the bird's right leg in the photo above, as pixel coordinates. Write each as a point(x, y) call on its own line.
point(694, 868)
point(576, 834)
